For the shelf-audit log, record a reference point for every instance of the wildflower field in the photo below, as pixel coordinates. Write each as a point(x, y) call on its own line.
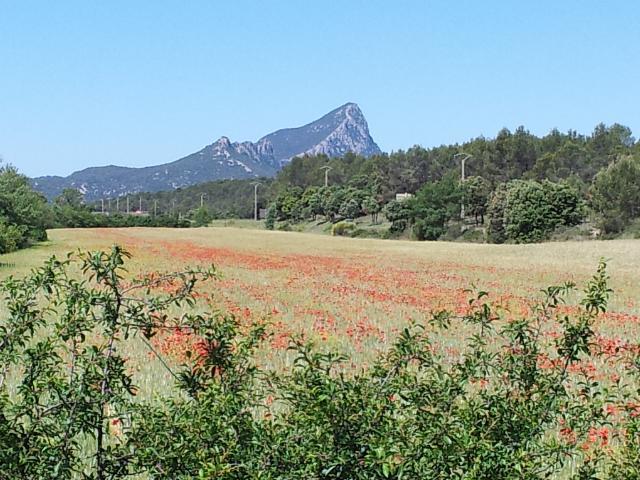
point(354, 295)
point(499, 374)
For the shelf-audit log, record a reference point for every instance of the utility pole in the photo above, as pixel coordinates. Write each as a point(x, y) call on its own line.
point(102, 200)
point(326, 169)
point(255, 200)
point(140, 198)
point(127, 204)
point(464, 158)
point(202, 195)
point(118, 204)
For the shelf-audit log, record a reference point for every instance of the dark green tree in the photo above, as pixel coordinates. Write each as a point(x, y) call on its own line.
point(70, 211)
point(433, 206)
point(371, 206)
point(496, 207)
point(527, 211)
point(270, 221)
point(24, 213)
point(350, 209)
point(399, 214)
point(312, 202)
point(202, 217)
point(615, 194)
point(476, 191)
point(70, 197)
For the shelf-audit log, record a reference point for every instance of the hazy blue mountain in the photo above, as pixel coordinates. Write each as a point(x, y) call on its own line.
point(340, 131)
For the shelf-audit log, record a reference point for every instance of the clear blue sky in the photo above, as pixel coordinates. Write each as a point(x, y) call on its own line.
point(136, 83)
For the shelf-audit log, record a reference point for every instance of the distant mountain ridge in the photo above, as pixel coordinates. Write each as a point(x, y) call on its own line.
point(342, 130)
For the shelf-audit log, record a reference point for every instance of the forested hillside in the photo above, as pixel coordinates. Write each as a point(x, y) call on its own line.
point(510, 155)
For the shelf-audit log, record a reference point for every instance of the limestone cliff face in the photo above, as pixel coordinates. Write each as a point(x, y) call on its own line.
point(351, 135)
point(340, 131)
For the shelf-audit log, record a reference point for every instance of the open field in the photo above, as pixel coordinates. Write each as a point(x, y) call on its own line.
point(352, 295)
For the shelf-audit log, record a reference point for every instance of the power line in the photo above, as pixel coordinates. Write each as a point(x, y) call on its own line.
point(465, 157)
point(255, 200)
point(326, 169)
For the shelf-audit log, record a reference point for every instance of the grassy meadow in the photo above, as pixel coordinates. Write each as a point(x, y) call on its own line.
point(353, 295)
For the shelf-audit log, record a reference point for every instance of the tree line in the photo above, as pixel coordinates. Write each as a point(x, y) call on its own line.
point(25, 215)
point(510, 155)
point(525, 186)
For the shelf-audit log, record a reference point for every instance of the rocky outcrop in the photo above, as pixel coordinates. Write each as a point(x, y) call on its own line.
point(340, 131)
point(351, 135)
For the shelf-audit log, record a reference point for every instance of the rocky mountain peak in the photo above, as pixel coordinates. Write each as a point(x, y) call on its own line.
point(350, 135)
point(342, 130)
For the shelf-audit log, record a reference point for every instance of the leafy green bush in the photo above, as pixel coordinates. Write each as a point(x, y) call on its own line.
point(61, 347)
point(11, 237)
point(368, 233)
point(202, 217)
point(343, 229)
point(430, 228)
point(472, 235)
point(525, 211)
point(284, 227)
point(575, 233)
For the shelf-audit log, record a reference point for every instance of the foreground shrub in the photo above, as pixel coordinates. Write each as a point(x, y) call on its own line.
point(512, 404)
point(61, 356)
